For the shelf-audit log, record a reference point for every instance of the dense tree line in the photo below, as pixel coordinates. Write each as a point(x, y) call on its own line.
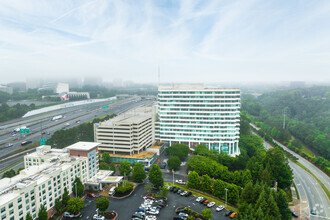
point(307, 115)
point(83, 132)
point(7, 113)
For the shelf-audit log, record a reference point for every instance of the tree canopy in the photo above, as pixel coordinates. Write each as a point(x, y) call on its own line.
point(42, 214)
point(124, 168)
point(102, 203)
point(179, 150)
point(156, 176)
point(75, 205)
point(174, 163)
point(138, 174)
point(80, 187)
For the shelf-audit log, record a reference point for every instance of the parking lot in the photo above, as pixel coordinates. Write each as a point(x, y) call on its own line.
point(126, 207)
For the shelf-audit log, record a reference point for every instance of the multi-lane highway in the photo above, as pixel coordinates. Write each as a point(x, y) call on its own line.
point(310, 192)
point(71, 117)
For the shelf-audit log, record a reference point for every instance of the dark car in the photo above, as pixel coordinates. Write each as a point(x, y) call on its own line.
point(313, 211)
point(137, 216)
point(171, 188)
point(294, 214)
point(175, 190)
point(162, 165)
point(202, 201)
point(181, 210)
point(180, 191)
point(179, 218)
point(228, 213)
point(188, 194)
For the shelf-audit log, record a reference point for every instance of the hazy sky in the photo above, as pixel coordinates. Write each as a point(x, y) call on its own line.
point(191, 41)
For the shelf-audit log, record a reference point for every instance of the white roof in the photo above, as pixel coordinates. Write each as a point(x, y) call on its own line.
point(84, 146)
point(191, 87)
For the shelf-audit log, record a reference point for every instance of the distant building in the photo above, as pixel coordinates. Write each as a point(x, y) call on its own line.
point(6, 89)
point(128, 133)
point(62, 88)
point(92, 81)
point(192, 114)
point(33, 83)
point(47, 172)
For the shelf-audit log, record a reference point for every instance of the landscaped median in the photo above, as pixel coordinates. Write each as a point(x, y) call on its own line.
point(205, 195)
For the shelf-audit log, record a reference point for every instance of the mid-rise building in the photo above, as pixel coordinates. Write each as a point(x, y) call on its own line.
point(128, 133)
point(47, 172)
point(193, 114)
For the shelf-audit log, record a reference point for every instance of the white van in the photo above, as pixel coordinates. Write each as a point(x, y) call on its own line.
point(112, 191)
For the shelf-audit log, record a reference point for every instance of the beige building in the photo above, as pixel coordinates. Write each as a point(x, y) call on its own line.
point(47, 172)
point(128, 133)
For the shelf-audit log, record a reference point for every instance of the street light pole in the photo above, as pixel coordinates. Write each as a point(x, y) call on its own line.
point(173, 176)
point(226, 197)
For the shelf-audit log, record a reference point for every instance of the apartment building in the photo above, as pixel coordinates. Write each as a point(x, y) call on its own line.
point(128, 133)
point(47, 172)
point(194, 114)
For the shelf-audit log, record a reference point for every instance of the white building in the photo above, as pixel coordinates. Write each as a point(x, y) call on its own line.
point(128, 133)
point(62, 88)
point(193, 114)
point(48, 171)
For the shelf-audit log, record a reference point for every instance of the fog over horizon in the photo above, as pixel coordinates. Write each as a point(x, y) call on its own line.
point(212, 41)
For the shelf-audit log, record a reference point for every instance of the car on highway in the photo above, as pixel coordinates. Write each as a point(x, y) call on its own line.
point(10, 145)
point(219, 208)
point(26, 143)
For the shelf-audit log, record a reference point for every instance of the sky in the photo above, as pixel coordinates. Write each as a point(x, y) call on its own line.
point(186, 41)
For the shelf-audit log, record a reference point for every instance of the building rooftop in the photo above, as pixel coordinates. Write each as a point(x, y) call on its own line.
point(157, 145)
point(191, 86)
point(141, 155)
point(134, 116)
point(84, 146)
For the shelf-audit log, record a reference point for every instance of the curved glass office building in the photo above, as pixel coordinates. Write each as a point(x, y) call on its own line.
point(192, 114)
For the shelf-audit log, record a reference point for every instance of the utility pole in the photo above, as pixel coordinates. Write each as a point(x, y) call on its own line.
point(173, 176)
point(226, 198)
point(284, 113)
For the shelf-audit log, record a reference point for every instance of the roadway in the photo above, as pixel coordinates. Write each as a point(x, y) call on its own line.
point(310, 192)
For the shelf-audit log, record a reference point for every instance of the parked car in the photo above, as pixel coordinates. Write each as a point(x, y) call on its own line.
point(137, 216)
point(233, 215)
point(181, 182)
point(202, 200)
point(206, 202)
point(171, 188)
point(68, 215)
point(188, 194)
point(294, 214)
point(150, 217)
point(228, 213)
point(180, 191)
point(179, 218)
point(183, 214)
point(211, 204)
point(183, 193)
point(162, 165)
point(175, 190)
point(219, 208)
point(199, 199)
point(181, 210)
point(98, 217)
point(313, 211)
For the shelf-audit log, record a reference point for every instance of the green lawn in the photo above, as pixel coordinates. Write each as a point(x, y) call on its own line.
point(206, 196)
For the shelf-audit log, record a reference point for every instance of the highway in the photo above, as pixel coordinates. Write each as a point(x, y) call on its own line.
point(73, 118)
point(310, 192)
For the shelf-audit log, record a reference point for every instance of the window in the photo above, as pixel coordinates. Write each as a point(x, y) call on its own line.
point(33, 204)
point(31, 192)
point(49, 182)
point(12, 218)
point(19, 199)
point(34, 209)
point(20, 206)
point(27, 201)
point(10, 205)
point(26, 195)
point(43, 186)
point(32, 198)
point(20, 212)
point(34, 216)
point(11, 211)
point(3, 217)
point(27, 207)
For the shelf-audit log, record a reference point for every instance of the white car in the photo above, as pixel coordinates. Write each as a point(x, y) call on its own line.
point(68, 215)
point(211, 204)
point(183, 214)
point(183, 193)
point(98, 217)
point(150, 217)
point(199, 199)
point(219, 208)
point(155, 212)
point(181, 182)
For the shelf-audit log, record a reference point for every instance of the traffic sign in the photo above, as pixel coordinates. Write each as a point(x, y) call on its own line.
point(42, 141)
point(24, 131)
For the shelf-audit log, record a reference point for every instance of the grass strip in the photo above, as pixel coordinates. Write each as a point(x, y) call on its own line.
point(325, 189)
point(7, 168)
point(294, 185)
point(206, 196)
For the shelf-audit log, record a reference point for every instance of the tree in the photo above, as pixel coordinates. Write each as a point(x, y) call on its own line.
point(193, 180)
point(233, 194)
point(106, 157)
point(207, 214)
point(219, 188)
point(138, 174)
point(164, 191)
point(42, 214)
point(174, 163)
point(113, 167)
point(247, 193)
point(9, 174)
point(124, 168)
point(75, 205)
point(283, 205)
point(104, 166)
point(180, 150)
point(65, 197)
point(148, 188)
point(58, 205)
point(102, 203)
point(273, 208)
point(206, 184)
point(80, 187)
point(156, 176)
point(266, 176)
point(28, 217)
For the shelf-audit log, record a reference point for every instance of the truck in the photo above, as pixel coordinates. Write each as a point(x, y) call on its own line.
point(17, 130)
point(57, 117)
